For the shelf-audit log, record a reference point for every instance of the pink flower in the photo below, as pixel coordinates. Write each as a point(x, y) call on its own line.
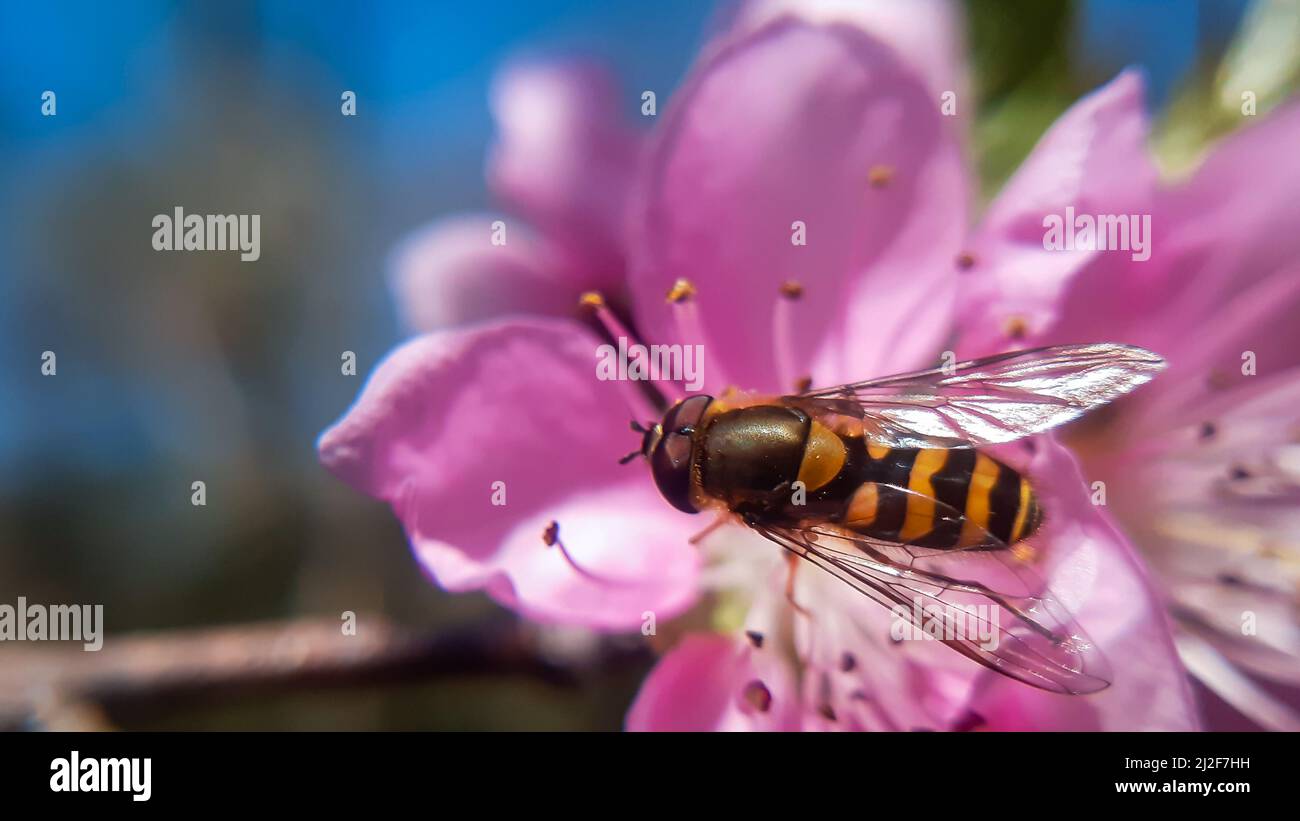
point(784, 126)
point(1202, 468)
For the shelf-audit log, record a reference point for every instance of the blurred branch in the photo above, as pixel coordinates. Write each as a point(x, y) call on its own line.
point(69, 688)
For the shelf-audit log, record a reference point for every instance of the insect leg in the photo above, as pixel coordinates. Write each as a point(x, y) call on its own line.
point(721, 520)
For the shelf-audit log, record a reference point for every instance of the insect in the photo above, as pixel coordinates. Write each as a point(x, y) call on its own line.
point(887, 485)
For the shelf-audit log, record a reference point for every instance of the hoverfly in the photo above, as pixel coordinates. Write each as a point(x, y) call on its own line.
point(886, 484)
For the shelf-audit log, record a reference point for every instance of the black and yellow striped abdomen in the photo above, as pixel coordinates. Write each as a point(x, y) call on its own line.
point(931, 497)
point(940, 498)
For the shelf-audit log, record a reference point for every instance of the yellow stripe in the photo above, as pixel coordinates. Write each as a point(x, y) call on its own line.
point(823, 457)
point(1022, 514)
point(920, 502)
point(862, 507)
point(876, 451)
point(983, 478)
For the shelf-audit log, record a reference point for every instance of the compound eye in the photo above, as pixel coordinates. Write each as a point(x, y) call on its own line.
point(670, 462)
point(686, 415)
point(676, 447)
point(671, 466)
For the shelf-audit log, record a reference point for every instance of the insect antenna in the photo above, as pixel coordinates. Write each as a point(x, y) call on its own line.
point(630, 457)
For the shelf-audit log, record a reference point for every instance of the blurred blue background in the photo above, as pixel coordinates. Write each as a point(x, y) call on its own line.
point(135, 79)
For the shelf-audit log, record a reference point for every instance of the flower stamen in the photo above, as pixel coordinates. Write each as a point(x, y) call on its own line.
point(660, 393)
point(1015, 327)
point(683, 290)
point(757, 695)
point(551, 538)
point(783, 331)
point(594, 301)
point(686, 314)
point(970, 720)
point(880, 175)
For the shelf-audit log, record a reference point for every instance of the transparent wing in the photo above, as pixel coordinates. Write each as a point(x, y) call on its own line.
point(992, 400)
point(985, 602)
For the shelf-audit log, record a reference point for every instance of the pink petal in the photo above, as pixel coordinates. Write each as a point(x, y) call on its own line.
point(1226, 232)
point(1219, 515)
point(1206, 355)
point(1248, 699)
point(1095, 574)
point(1244, 196)
point(449, 414)
point(716, 682)
point(1093, 159)
point(1218, 239)
point(929, 34)
point(786, 124)
point(565, 160)
point(450, 273)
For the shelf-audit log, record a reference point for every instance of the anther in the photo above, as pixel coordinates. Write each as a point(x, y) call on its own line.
point(1015, 327)
point(803, 384)
point(965, 260)
point(551, 534)
point(827, 712)
point(880, 175)
point(791, 289)
point(969, 720)
point(1208, 430)
point(686, 316)
point(551, 538)
point(682, 291)
point(758, 696)
point(848, 663)
point(1238, 472)
point(594, 301)
point(755, 638)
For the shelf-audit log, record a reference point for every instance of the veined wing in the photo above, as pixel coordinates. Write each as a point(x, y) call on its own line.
point(991, 400)
point(1001, 613)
